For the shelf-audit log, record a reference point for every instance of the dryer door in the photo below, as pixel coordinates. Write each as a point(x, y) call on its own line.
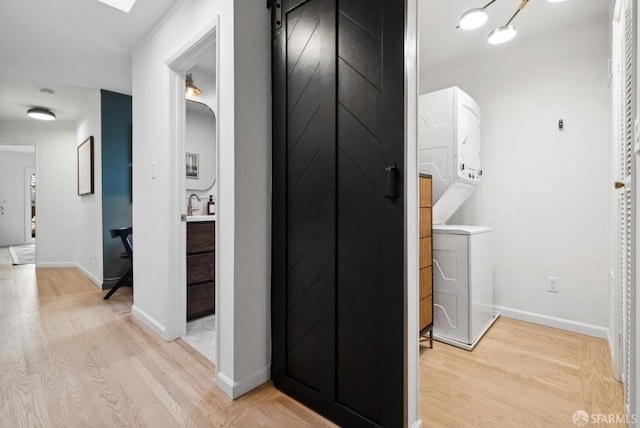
point(468, 138)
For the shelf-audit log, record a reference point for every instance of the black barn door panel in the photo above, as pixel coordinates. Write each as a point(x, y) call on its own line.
point(310, 184)
point(338, 151)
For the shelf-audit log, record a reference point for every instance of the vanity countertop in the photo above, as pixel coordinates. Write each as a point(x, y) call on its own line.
point(194, 218)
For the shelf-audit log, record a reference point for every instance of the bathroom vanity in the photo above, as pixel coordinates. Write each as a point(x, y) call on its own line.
point(200, 266)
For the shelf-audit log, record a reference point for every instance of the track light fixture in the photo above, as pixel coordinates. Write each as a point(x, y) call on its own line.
point(477, 17)
point(474, 18)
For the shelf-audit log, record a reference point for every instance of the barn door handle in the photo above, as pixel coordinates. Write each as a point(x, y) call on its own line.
point(391, 180)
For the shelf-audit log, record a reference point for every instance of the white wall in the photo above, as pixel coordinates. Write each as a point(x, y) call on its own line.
point(243, 244)
point(12, 196)
point(57, 200)
point(89, 219)
point(545, 192)
point(252, 176)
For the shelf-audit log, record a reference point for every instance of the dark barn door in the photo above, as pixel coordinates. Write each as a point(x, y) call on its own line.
point(338, 152)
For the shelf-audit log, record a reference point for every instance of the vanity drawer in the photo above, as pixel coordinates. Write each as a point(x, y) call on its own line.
point(425, 222)
point(426, 312)
point(425, 252)
point(200, 268)
point(200, 237)
point(425, 192)
point(200, 300)
point(426, 282)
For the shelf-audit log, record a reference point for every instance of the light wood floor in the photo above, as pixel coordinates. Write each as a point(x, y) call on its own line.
point(519, 375)
point(70, 359)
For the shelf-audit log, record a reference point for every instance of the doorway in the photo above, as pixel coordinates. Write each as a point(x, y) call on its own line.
point(17, 194)
point(30, 204)
point(195, 179)
point(535, 100)
point(201, 197)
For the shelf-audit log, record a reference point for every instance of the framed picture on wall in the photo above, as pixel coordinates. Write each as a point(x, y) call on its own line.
point(85, 167)
point(192, 165)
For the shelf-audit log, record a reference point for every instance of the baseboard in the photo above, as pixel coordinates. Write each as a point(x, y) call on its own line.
point(236, 389)
point(559, 323)
point(15, 244)
point(611, 343)
point(149, 322)
point(417, 424)
point(90, 276)
point(56, 264)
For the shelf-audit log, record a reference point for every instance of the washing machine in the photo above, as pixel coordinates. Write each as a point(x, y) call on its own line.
point(462, 284)
point(449, 148)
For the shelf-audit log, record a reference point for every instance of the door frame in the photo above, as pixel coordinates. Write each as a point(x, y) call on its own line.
point(411, 212)
point(178, 64)
point(411, 219)
point(615, 304)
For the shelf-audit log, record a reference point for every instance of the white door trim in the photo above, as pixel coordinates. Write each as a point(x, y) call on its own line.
point(178, 64)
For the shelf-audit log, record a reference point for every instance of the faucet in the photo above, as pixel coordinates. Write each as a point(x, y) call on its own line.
point(190, 208)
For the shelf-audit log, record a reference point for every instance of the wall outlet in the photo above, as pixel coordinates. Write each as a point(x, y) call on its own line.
point(553, 284)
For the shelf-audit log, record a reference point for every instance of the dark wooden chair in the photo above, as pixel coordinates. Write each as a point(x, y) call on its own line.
point(123, 233)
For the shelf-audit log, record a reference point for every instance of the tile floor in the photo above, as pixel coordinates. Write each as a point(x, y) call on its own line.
point(201, 335)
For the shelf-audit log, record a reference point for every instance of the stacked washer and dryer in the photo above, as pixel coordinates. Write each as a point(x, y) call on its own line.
point(449, 148)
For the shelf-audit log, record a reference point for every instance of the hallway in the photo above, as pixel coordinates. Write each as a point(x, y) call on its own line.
point(69, 358)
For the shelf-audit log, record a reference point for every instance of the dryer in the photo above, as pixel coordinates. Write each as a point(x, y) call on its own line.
point(449, 148)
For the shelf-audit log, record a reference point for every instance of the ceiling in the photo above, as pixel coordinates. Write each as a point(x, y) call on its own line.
point(74, 46)
point(69, 46)
point(441, 43)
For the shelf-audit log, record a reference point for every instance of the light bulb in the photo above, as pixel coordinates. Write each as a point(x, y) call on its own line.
point(473, 18)
point(502, 34)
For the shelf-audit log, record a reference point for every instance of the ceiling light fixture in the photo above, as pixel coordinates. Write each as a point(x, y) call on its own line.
point(123, 5)
point(191, 89)
point(41, 113)
point(502, 34)
point(475, 18)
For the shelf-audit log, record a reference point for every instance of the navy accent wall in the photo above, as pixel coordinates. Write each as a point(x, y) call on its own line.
point(116, 180)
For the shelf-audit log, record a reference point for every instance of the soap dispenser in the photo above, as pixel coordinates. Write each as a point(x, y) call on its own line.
point(211, 209)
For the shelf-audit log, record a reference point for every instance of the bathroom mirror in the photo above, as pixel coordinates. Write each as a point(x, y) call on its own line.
point(200, 139)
